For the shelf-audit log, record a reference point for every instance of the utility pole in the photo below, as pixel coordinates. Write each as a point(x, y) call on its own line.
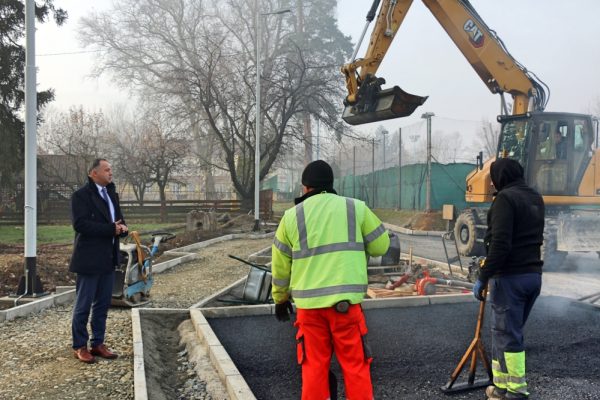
point(428, 116)
point(354, 171)
point(384, 133)
point(258, 113)
point(318, 139)
point(373, 171)
point(30, 283)
point(399, 168)
point(306, 121)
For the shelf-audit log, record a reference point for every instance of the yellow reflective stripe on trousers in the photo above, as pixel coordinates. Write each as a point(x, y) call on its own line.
point(325, 291)
point(500, 377)
point(515, 364)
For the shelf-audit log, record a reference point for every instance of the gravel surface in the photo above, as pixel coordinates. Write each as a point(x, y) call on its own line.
point(36, 360)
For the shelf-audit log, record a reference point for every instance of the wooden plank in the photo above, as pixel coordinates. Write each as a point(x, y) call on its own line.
point(379, 293)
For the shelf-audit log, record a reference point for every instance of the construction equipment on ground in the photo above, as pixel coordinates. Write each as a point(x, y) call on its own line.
point(474, 351)
point(133, 276)
point(257, 287)
point(557, 150)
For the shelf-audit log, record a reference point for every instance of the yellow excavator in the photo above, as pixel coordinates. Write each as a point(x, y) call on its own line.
point(558, 150)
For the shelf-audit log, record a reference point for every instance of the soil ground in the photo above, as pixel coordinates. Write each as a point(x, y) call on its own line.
point(53, 259)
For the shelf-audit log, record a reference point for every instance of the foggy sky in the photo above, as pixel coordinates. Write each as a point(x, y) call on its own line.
point(557, 40)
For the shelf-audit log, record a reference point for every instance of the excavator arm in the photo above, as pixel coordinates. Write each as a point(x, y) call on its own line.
point(484, 50)
point(366, 101)
point(389, 20)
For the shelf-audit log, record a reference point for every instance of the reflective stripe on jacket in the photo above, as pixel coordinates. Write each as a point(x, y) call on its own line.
point(319, 251)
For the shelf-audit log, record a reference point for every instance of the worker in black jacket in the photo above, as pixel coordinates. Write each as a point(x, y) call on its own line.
point(513, 267)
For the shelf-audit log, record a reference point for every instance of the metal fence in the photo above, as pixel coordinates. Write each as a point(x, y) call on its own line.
point(58, 211)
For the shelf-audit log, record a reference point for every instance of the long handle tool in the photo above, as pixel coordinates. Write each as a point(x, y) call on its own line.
point(259, 266)
point(474, 351)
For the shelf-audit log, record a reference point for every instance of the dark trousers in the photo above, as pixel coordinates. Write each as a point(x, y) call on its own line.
point(93, 293)
point(512, 298)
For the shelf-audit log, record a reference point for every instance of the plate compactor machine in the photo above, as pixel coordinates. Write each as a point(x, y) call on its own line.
point(133, 277)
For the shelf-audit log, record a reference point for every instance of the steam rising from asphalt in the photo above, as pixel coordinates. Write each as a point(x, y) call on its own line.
point(578, 276)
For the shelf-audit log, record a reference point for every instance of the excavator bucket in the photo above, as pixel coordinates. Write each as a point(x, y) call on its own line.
point(390, 103)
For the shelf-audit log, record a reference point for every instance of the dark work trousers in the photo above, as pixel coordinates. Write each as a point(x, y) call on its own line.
point(512, 298)
point(93, 293)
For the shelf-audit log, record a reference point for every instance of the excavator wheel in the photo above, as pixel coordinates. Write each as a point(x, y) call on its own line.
point(465, 233)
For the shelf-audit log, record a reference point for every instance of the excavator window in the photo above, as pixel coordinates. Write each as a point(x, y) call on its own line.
point(545, 148)
point(513, 140)
point(562, 152)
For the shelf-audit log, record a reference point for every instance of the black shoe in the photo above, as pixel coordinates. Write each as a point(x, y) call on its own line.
point(516, 396)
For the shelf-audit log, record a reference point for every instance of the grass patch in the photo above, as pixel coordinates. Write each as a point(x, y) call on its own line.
point(396, 217)
point(280, 207)
point(14, 234)
point(412, 219)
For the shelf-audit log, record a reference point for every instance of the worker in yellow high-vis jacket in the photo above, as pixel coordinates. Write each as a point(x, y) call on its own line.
point(320, 261)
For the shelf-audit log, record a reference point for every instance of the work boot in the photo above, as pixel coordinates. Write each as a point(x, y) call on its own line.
point(493, 393)
point(515, 396)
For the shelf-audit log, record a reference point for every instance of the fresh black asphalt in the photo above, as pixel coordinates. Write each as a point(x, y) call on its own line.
point(417, 348)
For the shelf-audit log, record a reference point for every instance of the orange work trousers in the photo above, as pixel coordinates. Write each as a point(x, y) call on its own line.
point(323, 331)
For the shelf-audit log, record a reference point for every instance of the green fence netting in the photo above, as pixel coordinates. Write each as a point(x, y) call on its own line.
point(383, 189)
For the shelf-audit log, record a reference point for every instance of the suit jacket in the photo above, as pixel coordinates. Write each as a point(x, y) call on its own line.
point(96, 248)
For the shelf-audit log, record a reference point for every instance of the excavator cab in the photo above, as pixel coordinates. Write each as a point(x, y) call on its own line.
point(554, 148)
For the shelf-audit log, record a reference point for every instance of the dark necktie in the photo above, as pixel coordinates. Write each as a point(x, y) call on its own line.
point(105, 197)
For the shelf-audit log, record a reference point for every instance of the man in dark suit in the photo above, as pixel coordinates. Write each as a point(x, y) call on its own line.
point(98, 225)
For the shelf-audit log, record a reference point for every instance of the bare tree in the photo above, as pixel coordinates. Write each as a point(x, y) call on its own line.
point(162, 154)
point(197, 58)
point(488, 138)
point(77, 136)
point(128, 135)
point(447, 147)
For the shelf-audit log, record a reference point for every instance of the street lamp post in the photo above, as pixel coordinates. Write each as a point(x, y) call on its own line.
point(428, 116)
point(384, 133)
point(30, 284)
point(257, 144)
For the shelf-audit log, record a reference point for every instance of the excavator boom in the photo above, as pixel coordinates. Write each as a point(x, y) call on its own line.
point(501, 73)
point(366, 101)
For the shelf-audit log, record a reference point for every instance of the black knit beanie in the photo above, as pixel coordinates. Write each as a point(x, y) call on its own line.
point(318, 174)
